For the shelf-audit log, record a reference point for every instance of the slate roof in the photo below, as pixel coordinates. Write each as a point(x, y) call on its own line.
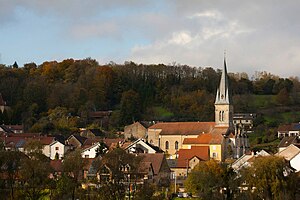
point(289, 127)
point(183, 128)
point(286, 141)
point(184, 155)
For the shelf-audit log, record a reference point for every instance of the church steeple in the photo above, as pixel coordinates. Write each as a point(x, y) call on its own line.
point(223, 95)
point(223, 107)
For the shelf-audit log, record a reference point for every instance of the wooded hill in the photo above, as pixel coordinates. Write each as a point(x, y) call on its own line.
point(57, 96)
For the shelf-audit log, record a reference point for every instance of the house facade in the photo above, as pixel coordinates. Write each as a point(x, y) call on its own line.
point(57, 150)
point(91, 151)
point(135, 130)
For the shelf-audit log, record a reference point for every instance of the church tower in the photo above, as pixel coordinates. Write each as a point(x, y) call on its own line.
point(223, 107)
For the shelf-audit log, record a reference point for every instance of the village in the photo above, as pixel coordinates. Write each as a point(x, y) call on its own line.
point(147, 160)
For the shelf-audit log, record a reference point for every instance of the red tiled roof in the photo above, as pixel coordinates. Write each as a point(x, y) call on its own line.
point(56, 165)
point(109, 141)
point(184, 128)
point(45, 140)
point(184, 155)
point(214, 137)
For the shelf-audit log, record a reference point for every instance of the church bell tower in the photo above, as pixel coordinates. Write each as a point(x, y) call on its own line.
point(223, 107)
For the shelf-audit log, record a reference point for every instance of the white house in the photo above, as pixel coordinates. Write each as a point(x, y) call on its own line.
point(140, 146)
point(91, 151)
point(291, 154)
point(246, 160)
point(57, 149)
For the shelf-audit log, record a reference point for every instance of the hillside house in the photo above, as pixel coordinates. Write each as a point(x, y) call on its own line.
point(289, 130)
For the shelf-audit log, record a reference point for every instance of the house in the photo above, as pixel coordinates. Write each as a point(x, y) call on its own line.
point(100, 117)
point(287, 141)
point(291, 154)
point(140, 146)
point(289, 130)
point(247, 159)
point(15, 128)
point(57, 169)
point(213, 140)
point(5, 129)
point(76, 141)
point(244, 121)
point(161, 169)
point(92, 133)
point(189, 158)
point(90, 151)
point(58, 150)
point(136, 130)
point(170, 136)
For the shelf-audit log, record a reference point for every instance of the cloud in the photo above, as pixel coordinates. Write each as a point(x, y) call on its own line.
point(258, 35)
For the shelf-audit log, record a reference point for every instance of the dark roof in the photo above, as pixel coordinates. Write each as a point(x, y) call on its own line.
point(97, 132)
point(6, 129)
point(172, 163)
point(60, 138)
point(286, 141)
point(157, 160)
point(100, 114)
point(80, 138)
point(289, 127)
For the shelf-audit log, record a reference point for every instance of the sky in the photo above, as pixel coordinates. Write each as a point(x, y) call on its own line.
point(256, 35)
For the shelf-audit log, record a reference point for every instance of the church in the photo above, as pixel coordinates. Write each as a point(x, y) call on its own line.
point(220, 137)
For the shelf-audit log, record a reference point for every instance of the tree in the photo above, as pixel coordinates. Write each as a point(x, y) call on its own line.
point(73, 170)
point(102, 149)
point(130, 107)
point(34, 171)
point(115, 161)
point(271, 178)
point(208, 178)
point(10, 162)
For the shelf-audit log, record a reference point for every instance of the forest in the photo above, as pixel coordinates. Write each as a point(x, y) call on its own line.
point(57, 97)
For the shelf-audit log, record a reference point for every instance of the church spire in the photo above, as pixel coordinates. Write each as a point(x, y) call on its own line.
point(223, 94)
point(223, 107)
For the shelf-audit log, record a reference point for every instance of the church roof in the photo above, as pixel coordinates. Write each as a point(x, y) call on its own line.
point(215, 136)
point(183, 128)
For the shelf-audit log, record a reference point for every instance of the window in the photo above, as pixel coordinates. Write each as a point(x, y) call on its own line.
point(220, 116)
point(176, 145)
point(56, 148)
point(167, 145)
